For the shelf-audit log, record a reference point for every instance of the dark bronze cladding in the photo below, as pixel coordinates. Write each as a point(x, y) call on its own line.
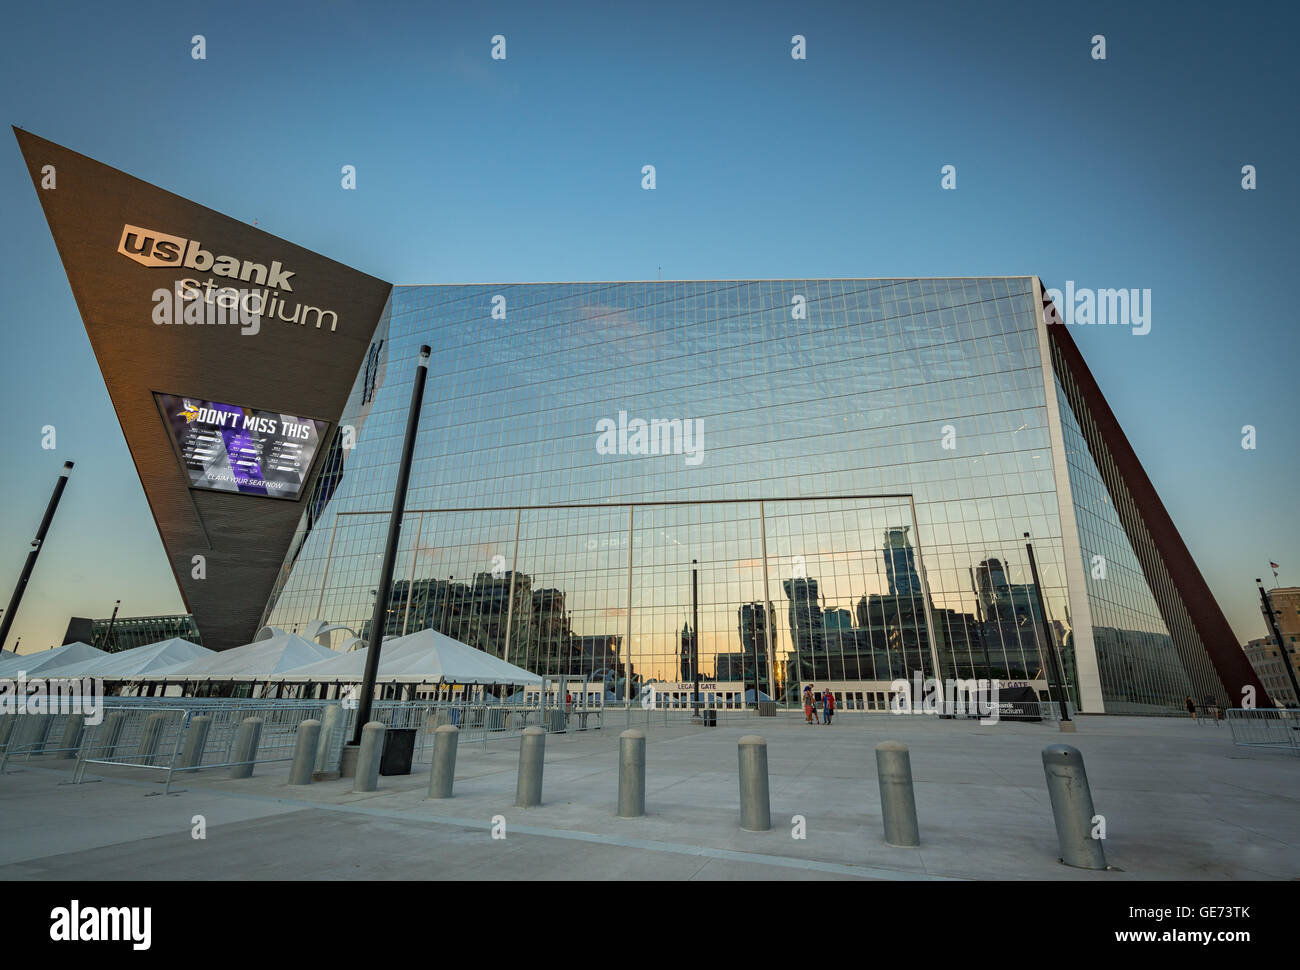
point(304, 368)
point(1186, 603)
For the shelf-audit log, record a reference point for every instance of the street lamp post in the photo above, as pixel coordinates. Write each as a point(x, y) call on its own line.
point(1277, 635)
point(390, 550)
point(37, 544)
point(108, 637)
point(1048, 640)
point(695, 632)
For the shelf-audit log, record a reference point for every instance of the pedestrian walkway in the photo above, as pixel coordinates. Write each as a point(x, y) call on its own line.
point(1179, 803)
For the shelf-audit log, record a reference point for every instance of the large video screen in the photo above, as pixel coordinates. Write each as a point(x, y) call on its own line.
point(227, 448)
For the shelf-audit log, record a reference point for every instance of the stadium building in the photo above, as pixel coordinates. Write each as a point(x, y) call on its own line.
point(838, 472)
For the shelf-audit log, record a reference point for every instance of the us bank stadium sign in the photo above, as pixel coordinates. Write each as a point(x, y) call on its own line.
point(196, 301)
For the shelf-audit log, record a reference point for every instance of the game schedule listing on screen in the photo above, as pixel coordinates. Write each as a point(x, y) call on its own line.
point(228, 448)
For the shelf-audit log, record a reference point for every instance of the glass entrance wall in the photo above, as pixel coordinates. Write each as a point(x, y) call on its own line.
point(723, 392)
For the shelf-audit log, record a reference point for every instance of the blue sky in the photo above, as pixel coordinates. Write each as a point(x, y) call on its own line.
point(1116, 173)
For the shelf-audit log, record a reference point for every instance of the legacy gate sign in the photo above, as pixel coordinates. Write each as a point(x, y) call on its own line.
point(137, 257)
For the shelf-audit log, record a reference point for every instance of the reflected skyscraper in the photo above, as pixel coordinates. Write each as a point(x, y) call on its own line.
point(900, 564)
point(688, 653)
point(756, 641)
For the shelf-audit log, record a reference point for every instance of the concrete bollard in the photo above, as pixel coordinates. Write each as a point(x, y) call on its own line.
point(72, 732)
point(631, 774)
point(369, 754)
point(304, 752)
point(532, 757)
point(331, 721)
point(196, 739)
point(755, 802)
point(897, 800)
point(1072, 809)
point(150, 737)
point(446, 738)
point(111, 733)
point(246, 741)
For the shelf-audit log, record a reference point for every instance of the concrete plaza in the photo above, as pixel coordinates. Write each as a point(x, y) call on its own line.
point(1180, 803)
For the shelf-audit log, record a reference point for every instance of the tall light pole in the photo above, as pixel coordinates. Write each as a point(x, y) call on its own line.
point(695, 632)
point(1048, 640)
point(1277, 635)
point(390, 550)
point(37, 544)
point(108, 637)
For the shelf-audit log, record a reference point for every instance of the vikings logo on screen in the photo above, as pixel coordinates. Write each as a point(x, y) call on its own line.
point(227, 448)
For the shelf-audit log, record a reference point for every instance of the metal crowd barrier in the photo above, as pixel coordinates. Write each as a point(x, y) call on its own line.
point(153, 736)
point(477, 722)
point(1265, 728)
point(151, 733)
point(134, 737)
point(636, 715)
point(29, 735)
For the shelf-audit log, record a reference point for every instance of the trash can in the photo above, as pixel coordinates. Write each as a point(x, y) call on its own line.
point(399, 751)
point(710, 717)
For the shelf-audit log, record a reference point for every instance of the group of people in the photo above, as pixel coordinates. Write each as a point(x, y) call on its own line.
point(810, 706)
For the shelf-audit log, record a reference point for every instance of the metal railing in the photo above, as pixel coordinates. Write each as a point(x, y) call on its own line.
point(134, 737)
point(155, 736)
point(476, 721)
point(1266, 728)
point(31, 735)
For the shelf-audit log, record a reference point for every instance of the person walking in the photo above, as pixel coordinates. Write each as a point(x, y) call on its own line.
point(829, 700)
point(808, 704)
point(1191, 706)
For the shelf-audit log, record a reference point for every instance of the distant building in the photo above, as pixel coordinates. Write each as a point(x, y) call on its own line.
point(1268, 662)
point(1268, 658)
point(129, 632)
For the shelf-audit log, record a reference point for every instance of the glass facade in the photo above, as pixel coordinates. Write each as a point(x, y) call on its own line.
point(129, 632)
point(1139, 666)
point(774, 482)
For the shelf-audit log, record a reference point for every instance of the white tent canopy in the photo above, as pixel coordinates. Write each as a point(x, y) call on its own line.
point(47, 662)
point(259, 660)
point(426, 657)
point(151, 660)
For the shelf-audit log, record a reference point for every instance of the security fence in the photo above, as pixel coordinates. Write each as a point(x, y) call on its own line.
point(476, 721)
point(1267, 728)
point(171, 736)
point(24, 736)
